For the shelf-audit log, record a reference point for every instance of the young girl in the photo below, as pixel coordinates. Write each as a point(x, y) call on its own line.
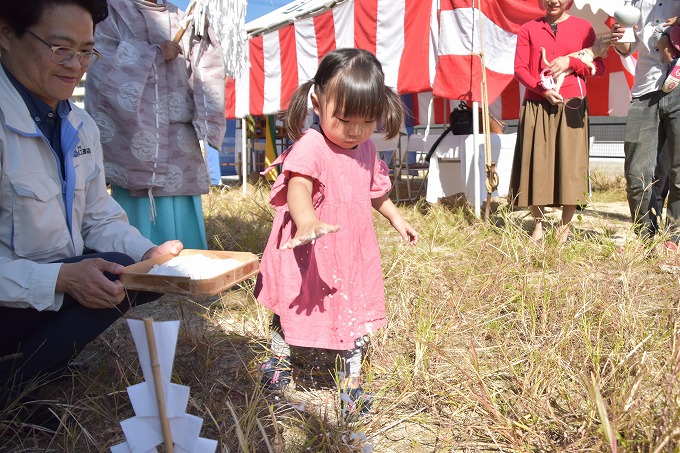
point(327, 291)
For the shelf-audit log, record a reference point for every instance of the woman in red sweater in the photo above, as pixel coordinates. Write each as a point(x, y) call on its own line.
point(550, 166)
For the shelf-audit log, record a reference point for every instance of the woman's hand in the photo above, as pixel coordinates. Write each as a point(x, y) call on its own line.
point(309, 227)
point(308, 233)
point(558, 66)
point(385, 207)
point(554, 97)
point(405, 230)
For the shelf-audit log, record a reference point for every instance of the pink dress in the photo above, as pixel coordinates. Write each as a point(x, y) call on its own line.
point(330, 292)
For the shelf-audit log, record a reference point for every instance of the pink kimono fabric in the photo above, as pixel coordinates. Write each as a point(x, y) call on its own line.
point(151, 113)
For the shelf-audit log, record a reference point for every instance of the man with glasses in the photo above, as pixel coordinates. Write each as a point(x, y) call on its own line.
point(53, 202)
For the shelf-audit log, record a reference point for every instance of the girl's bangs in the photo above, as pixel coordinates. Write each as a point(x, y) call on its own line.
point(358, 98)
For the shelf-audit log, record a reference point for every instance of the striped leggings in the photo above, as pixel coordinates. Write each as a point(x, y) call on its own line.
point(350, 359)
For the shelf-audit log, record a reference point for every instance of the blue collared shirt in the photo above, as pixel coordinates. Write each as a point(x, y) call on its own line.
point(47, 120)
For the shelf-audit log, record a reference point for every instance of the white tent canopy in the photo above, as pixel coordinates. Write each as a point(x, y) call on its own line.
point(287, 15)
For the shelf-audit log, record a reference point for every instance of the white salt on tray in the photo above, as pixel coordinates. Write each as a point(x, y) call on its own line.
point(196, 267)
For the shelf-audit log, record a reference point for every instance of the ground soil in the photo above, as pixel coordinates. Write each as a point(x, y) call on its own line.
point(611, 220)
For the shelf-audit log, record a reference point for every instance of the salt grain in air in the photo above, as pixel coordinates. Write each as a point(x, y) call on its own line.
point(196, 267)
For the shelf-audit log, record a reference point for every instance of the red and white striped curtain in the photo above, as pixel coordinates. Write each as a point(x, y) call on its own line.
point(458, 73)
point(423, 51)
point(398, 32)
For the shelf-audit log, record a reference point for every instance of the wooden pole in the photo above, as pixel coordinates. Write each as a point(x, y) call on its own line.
point(158, 384)
point(183, 28)
point(491, 181)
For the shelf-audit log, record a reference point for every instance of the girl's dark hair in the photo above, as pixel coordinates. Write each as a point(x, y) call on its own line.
point(354, 79)
point(23, 14)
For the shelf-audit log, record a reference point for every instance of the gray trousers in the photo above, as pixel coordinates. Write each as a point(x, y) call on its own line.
point(653, 120)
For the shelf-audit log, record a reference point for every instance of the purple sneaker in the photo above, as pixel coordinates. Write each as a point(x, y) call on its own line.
point(276, 373)
point(356, 404)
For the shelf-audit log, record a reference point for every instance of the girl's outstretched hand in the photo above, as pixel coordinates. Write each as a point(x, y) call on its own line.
point(309, 233)
point(406, 231)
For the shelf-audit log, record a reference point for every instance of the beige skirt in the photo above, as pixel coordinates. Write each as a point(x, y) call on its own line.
point(550, 167)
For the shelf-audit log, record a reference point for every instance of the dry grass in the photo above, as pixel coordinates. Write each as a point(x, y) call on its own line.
point(608, 187)
point(492, 344)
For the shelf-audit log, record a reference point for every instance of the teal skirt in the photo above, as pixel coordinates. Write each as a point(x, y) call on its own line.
point(178, 217)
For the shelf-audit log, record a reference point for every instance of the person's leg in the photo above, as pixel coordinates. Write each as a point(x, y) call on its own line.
point(351, 366)
point(276, 372)
point(279, 346)
point(539, 221)
point(661, 183)
point(670, 111)
point(355, 402)
point(640, 147)
point(562, 233)
point(44, 342)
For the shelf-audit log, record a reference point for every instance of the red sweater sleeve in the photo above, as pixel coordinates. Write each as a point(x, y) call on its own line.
point(525, 67)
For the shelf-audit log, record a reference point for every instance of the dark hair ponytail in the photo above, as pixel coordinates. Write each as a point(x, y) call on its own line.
point(393, 113)
point(294, 116)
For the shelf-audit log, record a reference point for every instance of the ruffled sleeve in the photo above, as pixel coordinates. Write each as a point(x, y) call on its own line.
point(380, 183)
point(300, 159)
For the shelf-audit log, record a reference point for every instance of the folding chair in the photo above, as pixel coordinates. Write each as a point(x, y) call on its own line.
point(388, 151)
point(412, 166)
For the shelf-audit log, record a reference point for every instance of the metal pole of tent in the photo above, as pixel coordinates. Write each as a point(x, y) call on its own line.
point(475, 158)
point(244, 153)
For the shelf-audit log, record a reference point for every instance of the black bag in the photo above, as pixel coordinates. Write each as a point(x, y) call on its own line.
point(460, 120)
point(460, 123)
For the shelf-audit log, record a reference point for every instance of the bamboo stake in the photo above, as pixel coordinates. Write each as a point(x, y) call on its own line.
point(158, 384)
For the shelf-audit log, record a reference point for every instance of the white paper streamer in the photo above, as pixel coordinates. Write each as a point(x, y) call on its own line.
point(228, 20)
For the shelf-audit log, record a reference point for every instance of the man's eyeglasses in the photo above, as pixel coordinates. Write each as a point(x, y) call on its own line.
point(62, 55)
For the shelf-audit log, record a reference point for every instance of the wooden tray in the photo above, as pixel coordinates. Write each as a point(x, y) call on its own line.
point(135, 276)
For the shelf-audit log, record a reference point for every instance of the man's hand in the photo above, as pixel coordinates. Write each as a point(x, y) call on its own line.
point(615, 36)
point(86, 283)
point(170, 50)
point(173, 247)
